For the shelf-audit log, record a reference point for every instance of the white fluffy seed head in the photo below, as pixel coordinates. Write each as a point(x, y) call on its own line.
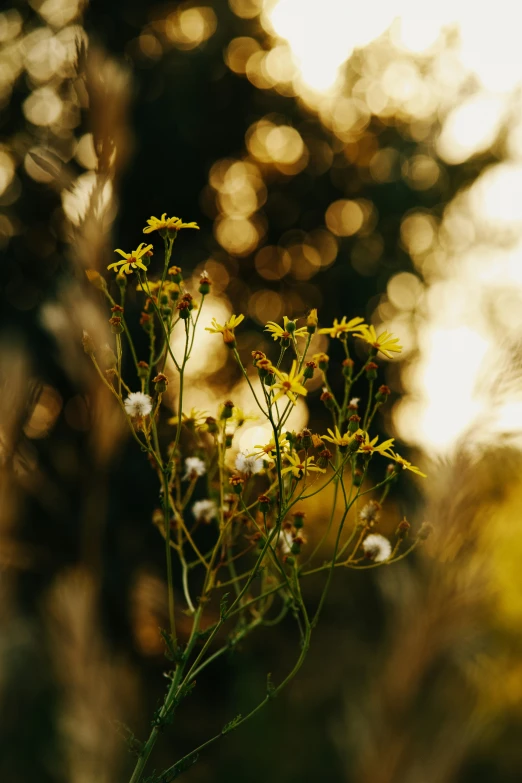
point(248, 463)
point(138, 405)
point(194, 467)
point(377, 547)
point(204, 510)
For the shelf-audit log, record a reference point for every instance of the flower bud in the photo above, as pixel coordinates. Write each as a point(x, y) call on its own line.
point(324, 457)
point(211, 423)
point(183, 308)
point(382, 394)
point(143, 369)
point(257, 356)
point(229, 338)
point(236, 482)
point(403, 528)
point(353, 405)
point(161, 382)
point(309, 369)
point(175, 274)
point(204, 283)
point(347, 366)
point(264, 367)
point(188, 298)
point(355, 443)
point(291, 326)
point(371, 371)
point(264, 503)
point(299, 517)
point(353, 423)
point(392, 470)
point(327, 399)
point(306, 439)
point(311, 321)
point(226, 412)
point(88, 343)
point(357, 477)
point(322, 360)
point(116, 324)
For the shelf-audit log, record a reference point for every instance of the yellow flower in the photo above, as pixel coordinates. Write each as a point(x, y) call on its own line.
point(343, 326)
point(298, 467)
point(338, 439)
point(385, 342)
point(312, 320)
point(195, 418)
point(269, 449)
point(405, 464)
point(151, 285)
point(368, 446)
point(239, 417)
point(229, 325)
point(130, 261)
point(171, 223)
point(279, 332)
point(289, 383)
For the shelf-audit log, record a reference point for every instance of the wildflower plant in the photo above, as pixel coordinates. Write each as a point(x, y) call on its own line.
point(255, 503)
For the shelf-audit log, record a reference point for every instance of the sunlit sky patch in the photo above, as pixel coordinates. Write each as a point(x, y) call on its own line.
point(460, 64)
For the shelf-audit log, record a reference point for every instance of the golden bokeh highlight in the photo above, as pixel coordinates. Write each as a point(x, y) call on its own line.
point(239, 51)
point(246, 9)
point(265, 305)
point(273, 263)
point(344, 217)
point(279, 145)
point(189, 27)
point(238, 236)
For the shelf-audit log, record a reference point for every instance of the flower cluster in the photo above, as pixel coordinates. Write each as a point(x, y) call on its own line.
point(232, 513)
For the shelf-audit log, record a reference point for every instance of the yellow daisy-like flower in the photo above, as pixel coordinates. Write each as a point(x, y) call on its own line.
point(368, 446)
point(231, 324)
point(343, 326)
point(338, 439)
point(289, 384)
point(298, 467)
point(164, 222)
point(405, 464)
point(384, 342)
point(239, 417)
point(269, 449)
point(280, 332)
point(196, 418)
point(130, 261)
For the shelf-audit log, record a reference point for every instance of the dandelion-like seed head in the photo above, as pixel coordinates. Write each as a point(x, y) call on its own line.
point(377, 548)
point(204, 511)
point(194, 467)
point(248, 464)
point(370, 513)
point(138, 405)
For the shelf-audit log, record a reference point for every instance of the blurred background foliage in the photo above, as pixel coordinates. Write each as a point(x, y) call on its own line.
point(362, 160)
